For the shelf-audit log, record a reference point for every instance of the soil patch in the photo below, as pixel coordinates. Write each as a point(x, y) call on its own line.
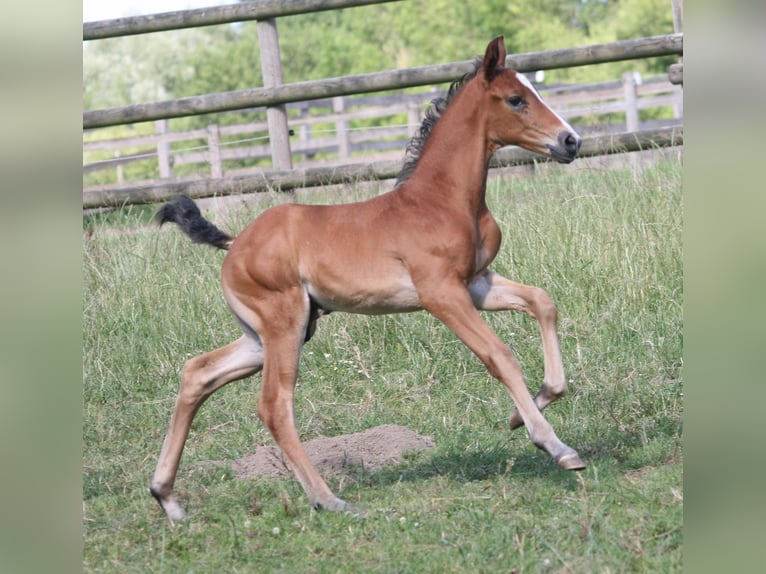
point(373, 450)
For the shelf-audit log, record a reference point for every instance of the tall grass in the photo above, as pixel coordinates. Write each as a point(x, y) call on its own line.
point(605, 244)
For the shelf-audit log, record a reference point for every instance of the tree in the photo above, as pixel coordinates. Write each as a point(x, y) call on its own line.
point(639, 18)
point(167, 65)
point(135, 69)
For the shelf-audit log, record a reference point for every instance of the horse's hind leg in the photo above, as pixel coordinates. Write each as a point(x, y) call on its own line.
point(282, 340)
point(493, 292)
point(202, 376)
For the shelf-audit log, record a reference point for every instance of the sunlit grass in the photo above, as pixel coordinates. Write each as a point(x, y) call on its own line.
point(605, 244)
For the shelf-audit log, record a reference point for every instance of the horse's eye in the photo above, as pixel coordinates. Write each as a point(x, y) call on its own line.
point(516, 101)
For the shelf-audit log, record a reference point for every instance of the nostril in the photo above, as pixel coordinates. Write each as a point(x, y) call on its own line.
point(571, 142)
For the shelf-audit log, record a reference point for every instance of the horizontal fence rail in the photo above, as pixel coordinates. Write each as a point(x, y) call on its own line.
point(325, 127)
point(670, 44)
point(298, 178)
point(260, 10)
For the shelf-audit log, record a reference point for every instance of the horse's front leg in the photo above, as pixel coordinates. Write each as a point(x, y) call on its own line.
point(449, 302)
point(493, 292)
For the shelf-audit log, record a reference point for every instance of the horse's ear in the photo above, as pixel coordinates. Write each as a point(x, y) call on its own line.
point(494, 58)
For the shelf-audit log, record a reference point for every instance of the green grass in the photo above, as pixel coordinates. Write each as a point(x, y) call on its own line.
point(607, 247)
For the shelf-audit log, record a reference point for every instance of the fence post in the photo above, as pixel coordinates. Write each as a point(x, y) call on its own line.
point(678, 15)
point(120, 171)
point(631, 101)
point(276, 116)
point(341, 128)
point(413, 117)
point(304, 133)
point(676, 71)
point(164, 159)
point(214, 150)
point(629, 85)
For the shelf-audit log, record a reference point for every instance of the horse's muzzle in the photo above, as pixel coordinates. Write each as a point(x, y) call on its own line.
point(568, 145)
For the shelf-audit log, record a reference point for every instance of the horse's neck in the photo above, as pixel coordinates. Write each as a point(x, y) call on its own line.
point(454, 162)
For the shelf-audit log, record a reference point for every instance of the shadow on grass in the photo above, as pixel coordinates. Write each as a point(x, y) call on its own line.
point(619, 451)
point(461, 460)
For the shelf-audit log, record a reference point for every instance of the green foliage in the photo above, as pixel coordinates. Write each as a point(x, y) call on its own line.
point(327, 44)
point(637, 18)
point(137, 69)
point(166, 65)
point(606, 244)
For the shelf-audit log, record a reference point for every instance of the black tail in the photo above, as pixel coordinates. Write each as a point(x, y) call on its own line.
point(186, 214)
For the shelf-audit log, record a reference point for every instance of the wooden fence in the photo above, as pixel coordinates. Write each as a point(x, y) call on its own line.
point(274, 96)
point(323, 132)
point(670, 44)
point(241, 12)
point(285, 180)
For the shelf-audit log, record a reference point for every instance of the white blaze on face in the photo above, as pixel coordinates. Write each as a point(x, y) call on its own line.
point(525, 82)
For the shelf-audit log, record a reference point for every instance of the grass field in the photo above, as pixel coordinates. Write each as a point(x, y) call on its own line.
point(605, 244)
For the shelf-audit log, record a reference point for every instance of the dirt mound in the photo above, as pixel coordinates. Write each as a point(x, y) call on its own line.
point(372, 449)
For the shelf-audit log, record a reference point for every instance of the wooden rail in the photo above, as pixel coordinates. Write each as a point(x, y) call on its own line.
point(341, 141)
point(297, 178)
point(379, 81)
point(241, 12)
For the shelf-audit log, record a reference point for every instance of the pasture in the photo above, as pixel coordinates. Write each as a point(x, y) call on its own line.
point(606, 245)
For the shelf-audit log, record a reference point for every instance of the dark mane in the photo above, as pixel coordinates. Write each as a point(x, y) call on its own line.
point(432, 115)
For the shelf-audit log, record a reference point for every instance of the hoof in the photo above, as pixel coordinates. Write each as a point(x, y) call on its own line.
point(174, 512)
point(571, 461)
point(338, 505)
point(169, 504)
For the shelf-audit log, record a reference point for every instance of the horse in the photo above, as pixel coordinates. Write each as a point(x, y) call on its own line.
point(424, 245)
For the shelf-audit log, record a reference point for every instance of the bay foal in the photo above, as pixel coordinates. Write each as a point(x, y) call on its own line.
point(426, 244)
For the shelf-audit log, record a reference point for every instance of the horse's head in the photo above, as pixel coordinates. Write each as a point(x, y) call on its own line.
point(518, 115)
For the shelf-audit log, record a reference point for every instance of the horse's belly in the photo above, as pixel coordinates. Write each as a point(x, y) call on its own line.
point(374, 297)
